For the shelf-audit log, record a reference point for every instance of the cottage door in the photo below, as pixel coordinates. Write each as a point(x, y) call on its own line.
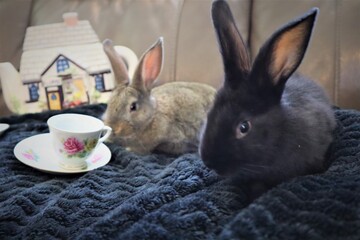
point(54, 100)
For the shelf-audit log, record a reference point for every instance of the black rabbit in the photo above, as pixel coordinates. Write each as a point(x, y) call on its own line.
point(267, 124)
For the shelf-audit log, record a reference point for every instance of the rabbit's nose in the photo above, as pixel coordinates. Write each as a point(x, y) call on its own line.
point(215, 161)
point(121, 129)
point(208, 161)
point(210, 164)
point(118, 130)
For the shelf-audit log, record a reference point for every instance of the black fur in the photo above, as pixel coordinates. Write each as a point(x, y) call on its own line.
point(291, 117)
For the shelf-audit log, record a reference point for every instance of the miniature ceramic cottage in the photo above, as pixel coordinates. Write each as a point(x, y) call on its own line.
point(63, 65)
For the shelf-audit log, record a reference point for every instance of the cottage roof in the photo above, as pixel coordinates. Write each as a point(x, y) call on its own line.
point(89, 56)
point(59, 34)
point(75, 39)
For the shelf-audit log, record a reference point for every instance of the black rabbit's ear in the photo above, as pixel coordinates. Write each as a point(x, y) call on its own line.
point(283, 52)
point(235, 55)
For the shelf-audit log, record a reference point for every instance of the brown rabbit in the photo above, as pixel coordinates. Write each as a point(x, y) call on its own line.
point(166, 118)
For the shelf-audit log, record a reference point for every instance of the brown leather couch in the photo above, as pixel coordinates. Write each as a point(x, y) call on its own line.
point(191, 53)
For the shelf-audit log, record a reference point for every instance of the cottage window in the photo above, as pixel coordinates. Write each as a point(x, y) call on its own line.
point(99, 83)
point(67, 86)
point(62, 64)
point(33, 92)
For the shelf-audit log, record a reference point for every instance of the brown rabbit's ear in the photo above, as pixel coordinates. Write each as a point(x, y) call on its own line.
point(283, 52)
point(234, 52)
point(149, 67)
point(118, 65)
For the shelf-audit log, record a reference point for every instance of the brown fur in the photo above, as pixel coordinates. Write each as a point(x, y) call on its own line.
point(168, 117)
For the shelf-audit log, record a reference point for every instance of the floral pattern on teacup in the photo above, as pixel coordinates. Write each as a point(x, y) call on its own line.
point(73, 147)
point(31, 155)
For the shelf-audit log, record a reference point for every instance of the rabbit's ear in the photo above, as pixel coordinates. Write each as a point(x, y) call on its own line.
point(118, 65)
point(149, 67)
point(283, 52)
point(234, 52)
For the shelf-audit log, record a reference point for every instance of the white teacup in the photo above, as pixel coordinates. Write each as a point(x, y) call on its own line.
point(75, 137)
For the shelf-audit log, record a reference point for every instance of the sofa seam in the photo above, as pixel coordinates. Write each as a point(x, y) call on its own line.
point(250, 26)
point(337, 52)
point(176, 44)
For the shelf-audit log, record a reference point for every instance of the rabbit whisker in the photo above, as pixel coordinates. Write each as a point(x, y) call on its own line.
point(256, 165)
point(248, 171)
point(259, 145)
point(261, 167)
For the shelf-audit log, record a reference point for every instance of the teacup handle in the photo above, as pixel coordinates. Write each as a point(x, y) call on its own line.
point(107, 131)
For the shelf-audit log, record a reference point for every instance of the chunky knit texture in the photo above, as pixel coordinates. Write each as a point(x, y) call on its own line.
point(174, 197)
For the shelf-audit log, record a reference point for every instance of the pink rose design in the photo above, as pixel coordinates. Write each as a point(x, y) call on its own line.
point(72, 145)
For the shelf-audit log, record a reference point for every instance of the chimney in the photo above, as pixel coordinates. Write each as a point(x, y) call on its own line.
point(70, 19)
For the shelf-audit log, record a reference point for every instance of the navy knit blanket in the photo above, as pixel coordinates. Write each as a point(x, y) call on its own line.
point(174, 197)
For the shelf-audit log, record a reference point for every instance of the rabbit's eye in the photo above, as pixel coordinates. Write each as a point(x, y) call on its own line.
point(243, 129)
point(133, 107)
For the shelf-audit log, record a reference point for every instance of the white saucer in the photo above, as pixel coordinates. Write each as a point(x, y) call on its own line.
point(36, 152)
point(3, 127)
